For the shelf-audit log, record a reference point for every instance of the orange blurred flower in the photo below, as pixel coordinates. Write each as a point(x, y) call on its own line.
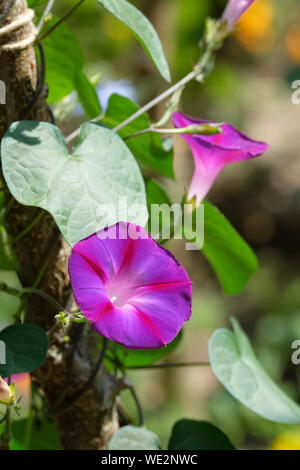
point(255, 30)
point(292, 43)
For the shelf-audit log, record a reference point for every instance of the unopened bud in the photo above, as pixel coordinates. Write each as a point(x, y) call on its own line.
point(6, 394)
point(203, 129)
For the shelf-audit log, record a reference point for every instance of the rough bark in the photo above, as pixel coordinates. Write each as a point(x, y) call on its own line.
point(92, 420)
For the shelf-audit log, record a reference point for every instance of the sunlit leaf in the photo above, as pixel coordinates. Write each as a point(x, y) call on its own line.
point(134, 438)
point(142, 29)
point(236, 366)
point(82, 191)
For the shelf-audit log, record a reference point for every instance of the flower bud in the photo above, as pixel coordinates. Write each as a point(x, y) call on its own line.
point(234, 10)
point(6, 394)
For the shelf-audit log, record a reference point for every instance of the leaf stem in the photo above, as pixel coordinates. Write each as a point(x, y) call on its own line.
point(205, 129)
point(76, 133)
point(198, 69)
point(45, 13)
point(193, 74)
point(44, 295)
point(31, 290)
point(138, 405)
point(28, 228)
point(61, 20)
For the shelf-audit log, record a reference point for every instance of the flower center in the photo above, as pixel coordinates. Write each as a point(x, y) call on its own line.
point(118, 293)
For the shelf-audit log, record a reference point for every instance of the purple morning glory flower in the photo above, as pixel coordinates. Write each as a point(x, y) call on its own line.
point(234, 10)
point(212, 153)
point(132, 290)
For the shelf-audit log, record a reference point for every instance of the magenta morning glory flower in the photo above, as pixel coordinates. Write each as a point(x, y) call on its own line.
point(132, 290)
point(212, 153)
point(234, 10)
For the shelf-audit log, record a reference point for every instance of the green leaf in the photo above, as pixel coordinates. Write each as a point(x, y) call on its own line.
point(26, 348)
point(8, 260)
point(87, 95)
point(42, 436)
point(142, 29)
point(82, 191)
point(134, 438)
point(35, 3)
point(64, 60)
point(64, 63)
point(147, 148)
point(230, 256)
point(156, 196)
point(9, 304)
point(235, 365)
point(141, 357)
point(188, 434)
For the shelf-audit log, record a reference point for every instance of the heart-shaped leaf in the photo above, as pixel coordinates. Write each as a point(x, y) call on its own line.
point(234, 363)
point(26, 348)
point(143, 30)
point(230, 256)
point(134, 438)
point(98, 185)
point(188, 434)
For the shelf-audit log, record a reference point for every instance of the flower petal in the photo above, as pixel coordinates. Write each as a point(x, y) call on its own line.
point(212, 153)
point(234, 10)
point(130, 328)
point(134, 291)
point(88, 288)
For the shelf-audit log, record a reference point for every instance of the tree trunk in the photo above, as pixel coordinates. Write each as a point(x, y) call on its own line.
point(42, 257)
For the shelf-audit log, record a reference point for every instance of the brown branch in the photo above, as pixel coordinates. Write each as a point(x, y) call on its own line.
point(93, 419)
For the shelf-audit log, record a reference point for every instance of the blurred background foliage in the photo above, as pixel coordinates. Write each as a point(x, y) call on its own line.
point(251, 88)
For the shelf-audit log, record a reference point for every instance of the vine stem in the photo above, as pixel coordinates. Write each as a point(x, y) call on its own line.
point(30, 290)
point(205, 129)
point(193, 74)
point(171, 364)
point(76, 133)
point(28, 228)
point(198, 69)
point(46, 12)
point(61, 20)
point(138, 405)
